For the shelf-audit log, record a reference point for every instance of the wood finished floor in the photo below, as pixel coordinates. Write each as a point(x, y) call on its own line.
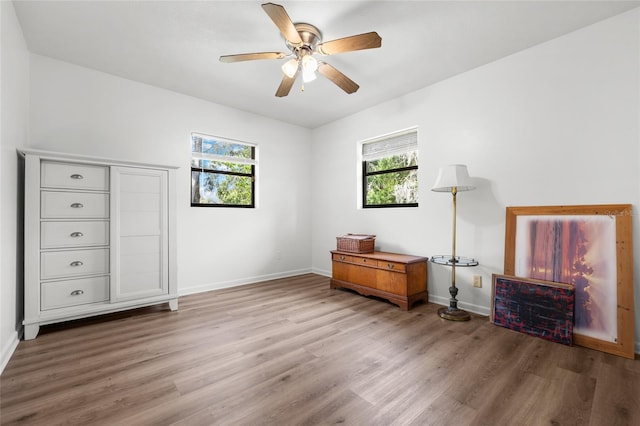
point(294, 352)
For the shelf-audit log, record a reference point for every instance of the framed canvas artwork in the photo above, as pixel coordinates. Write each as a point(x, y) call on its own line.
point(589, 247)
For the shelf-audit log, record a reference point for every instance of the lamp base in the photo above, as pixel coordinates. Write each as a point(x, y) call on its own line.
point(454, 314)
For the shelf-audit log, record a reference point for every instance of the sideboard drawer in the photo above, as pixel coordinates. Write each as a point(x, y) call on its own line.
point(74, 234)
point(392, 266)
point(68, 263)
point(74, 176)
point(60, 294)
point(74, 205)
point(342, 257)
point(364, 261)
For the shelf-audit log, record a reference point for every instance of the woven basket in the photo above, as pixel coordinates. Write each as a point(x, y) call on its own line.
point(357, 243)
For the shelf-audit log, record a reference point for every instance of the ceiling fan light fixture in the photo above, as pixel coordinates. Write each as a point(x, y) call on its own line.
point(308, 75)
point(290, 68)
point(309, 63)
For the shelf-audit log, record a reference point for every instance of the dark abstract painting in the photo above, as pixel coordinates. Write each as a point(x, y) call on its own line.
point(534, 307)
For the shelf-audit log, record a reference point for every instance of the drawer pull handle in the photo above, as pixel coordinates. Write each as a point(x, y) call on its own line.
point(76, 176)
point(390, 265)
point(76, 293)
point(76, 234)
point(77, 206)
point(76, 263)
point(341, 257)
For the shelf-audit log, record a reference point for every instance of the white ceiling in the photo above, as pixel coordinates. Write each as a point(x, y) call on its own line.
point(176, 44)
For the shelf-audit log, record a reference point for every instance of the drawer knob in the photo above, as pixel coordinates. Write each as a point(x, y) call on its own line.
point(76, 263)
point(341, 257)
point(77, 206)
point(76, 292)
point(390, 265)
point(77, 176)
point(76, 234)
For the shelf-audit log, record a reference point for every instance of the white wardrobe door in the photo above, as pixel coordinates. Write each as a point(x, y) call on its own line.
point(139, 233)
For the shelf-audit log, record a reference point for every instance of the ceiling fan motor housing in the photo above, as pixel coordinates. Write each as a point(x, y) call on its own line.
point(310, 37)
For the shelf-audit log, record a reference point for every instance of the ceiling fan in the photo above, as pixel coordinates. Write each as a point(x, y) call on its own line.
point(304, 40)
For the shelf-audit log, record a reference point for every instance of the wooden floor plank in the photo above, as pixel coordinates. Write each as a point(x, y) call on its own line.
point(617, 398)
point(292, 351)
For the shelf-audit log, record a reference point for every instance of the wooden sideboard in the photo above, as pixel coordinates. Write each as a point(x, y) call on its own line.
point(399, 278)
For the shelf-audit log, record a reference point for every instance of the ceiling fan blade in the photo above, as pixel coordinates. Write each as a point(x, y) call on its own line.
point(285, 85)
point(280, 17)
point(357, 42)
point(251, 56)
point(341, 80)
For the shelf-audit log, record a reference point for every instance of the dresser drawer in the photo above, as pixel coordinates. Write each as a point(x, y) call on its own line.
point(74, 176)
point(392, 266)
point(73, 205)
point(74, 234)
point(60, 294)
point(69, 263)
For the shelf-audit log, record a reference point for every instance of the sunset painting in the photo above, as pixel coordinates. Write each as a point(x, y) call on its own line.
point(578, 250)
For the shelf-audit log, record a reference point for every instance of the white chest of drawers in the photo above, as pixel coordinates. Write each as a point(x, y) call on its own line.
point(99, 237)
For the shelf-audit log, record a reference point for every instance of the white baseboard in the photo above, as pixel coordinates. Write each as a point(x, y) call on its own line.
point(183, 291)
point(321, 272)
point(476, 309)
point(8, 349)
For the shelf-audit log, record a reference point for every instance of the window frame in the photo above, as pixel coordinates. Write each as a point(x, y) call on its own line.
point(229, 159)
point(366, 174)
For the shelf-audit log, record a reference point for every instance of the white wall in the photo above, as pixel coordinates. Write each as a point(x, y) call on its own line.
point(555, 124)
point(77, 110)
point(14, 95)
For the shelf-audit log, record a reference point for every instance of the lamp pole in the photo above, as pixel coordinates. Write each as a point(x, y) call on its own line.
point(453, 290)
point(452, 312)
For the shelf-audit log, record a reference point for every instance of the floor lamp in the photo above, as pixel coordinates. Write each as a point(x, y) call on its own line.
point(453, 178)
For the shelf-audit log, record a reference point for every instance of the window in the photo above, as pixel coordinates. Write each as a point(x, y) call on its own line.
point(390, 170)
point(222, 172)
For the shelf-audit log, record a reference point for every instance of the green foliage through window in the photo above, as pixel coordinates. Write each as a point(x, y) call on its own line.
point(222, 172)
point(390, 171)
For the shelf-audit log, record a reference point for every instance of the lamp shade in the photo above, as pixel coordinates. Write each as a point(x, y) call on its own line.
point(453, 176)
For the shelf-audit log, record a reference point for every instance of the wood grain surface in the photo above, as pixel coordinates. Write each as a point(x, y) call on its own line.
point(293, 352)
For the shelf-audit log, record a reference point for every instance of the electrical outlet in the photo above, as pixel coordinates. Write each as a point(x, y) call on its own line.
point(477, 281)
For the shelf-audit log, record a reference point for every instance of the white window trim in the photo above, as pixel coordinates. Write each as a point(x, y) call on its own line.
point(360, 158)
point(254, 161)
